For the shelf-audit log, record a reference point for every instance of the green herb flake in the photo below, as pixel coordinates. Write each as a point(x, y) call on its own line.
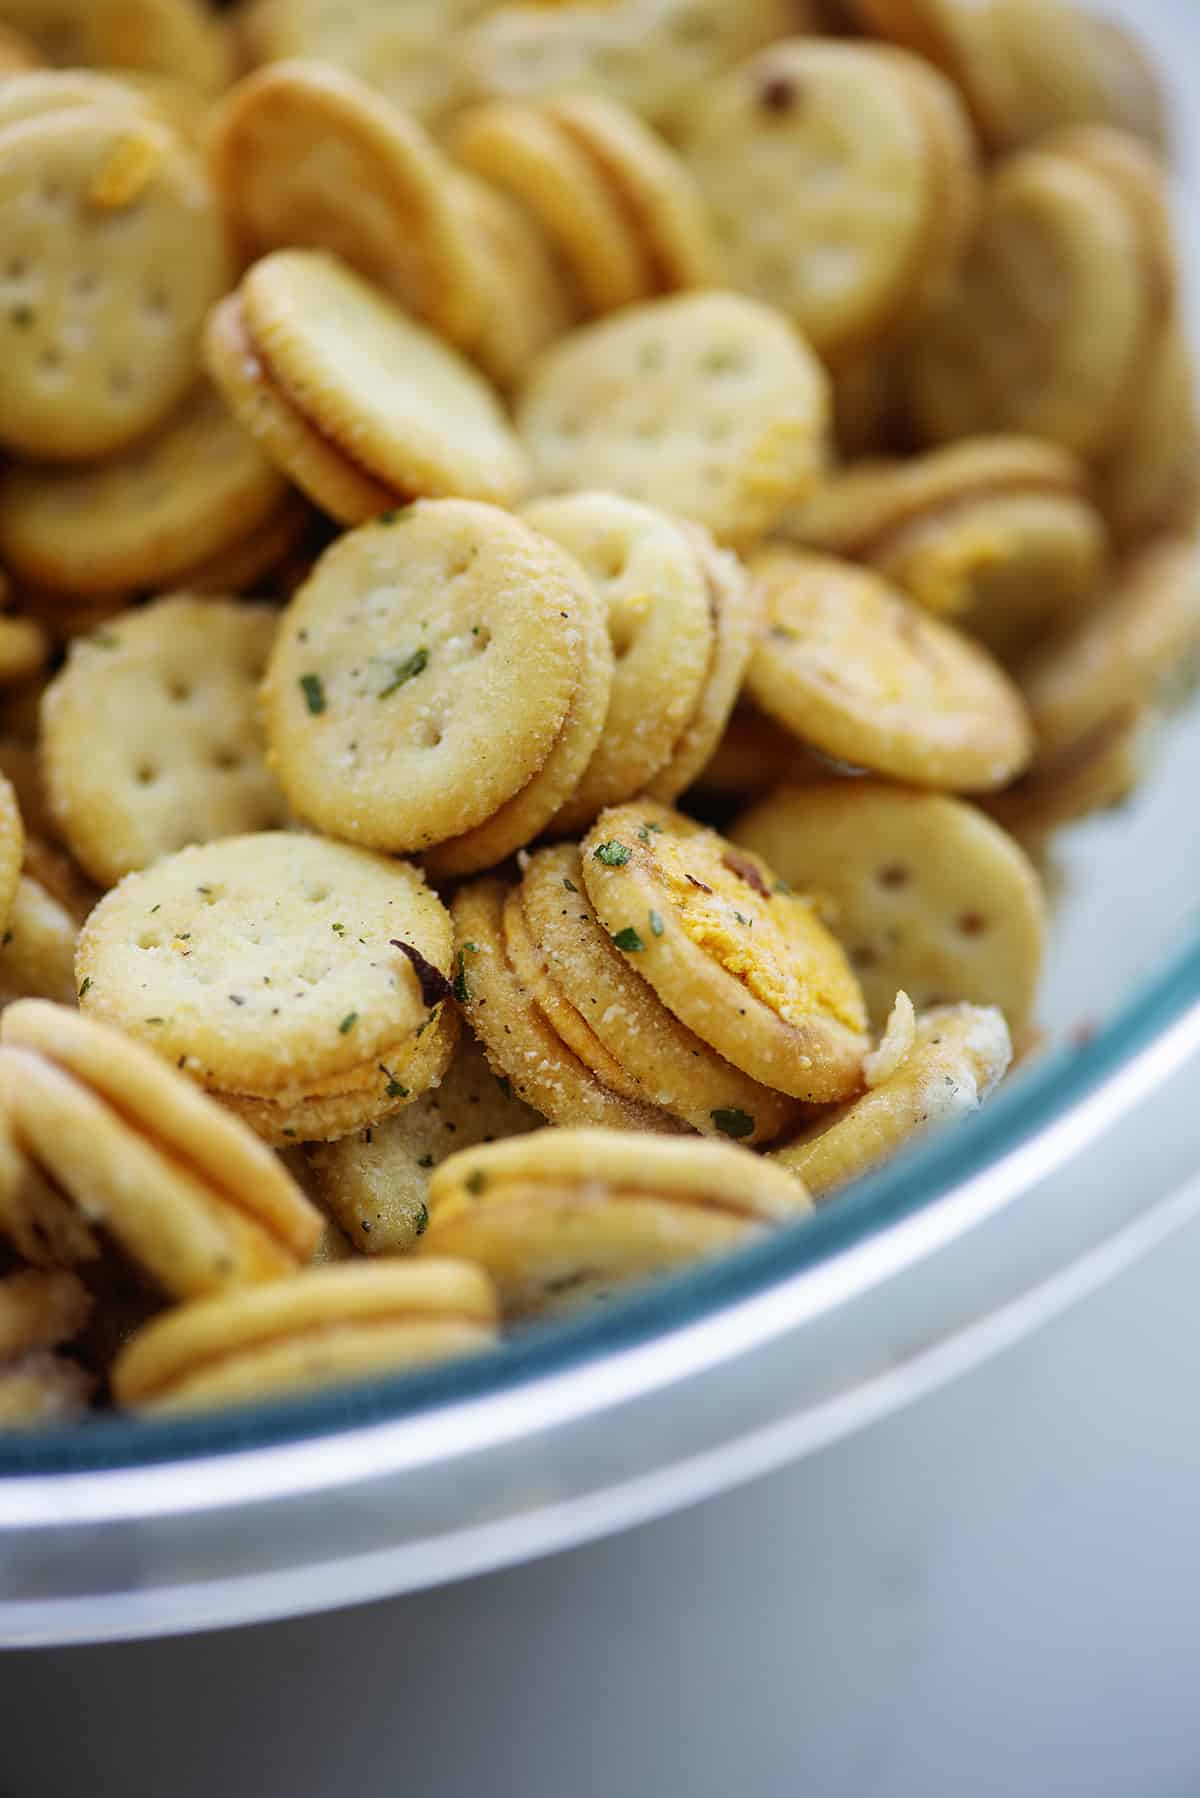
point(287, 1131)
point(505, 1085)
point(338, 929)
point(655, 829)
point(425, 1161)
point(105, 640)
point(389, 517)
point(781, 886)
point(629, 940)
point(570, 885)
point(348, 1022)
point(86, 986)
point(612, 854)
point(155, 908)
point(462, 991)
point(394, 1088)
point(643, 835)
point(475, 1182)
point(156, 1020)
point(423, 1219)
point(408, 669)
point(733, 1122)
point(656, 923)
point(313, 690)
point(743, 919)
point(21, 316)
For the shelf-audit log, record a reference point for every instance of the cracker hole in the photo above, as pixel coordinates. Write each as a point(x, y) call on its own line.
point(481, 636)
point(178, 691)
point(51, 193)
point(570, 425)
point(149, 940)
point(317, 895)
point(428, 733)
point(724, 360)
point(864, 957)
point(16, 268)
point(86, 284)
point(972, 923)
point(227, 760)
point(49, 361)
point(893, 877)
point(145, 774)
point(155, 305)
point(649, 430)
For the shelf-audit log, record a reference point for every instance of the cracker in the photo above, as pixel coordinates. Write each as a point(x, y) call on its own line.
point(307, 156)
point(655, 56)
point(316, 1329)
point(737, 612)
point(817, 163)
point(1066, 67)
point(411, 52)
point(925, 893)
point(421, 676)
point(151, 737)
point(388, 394)
point(519, 1042)
point(992, 357)
point(142, 519)
point(58, 90)
point(12, 849)
point(676, 1069)
point(37, 950)
point(654, 591)
point(233, 946)
point(652, 184)
point(851, 665)
point(584, 1212)
point(42, 1226)
point(960, 1054)
point(24, 650)
point(538, 806)
point(40, 1389)
point(329, 478)
point(39, 1311)
point(107, 275)
point(172, 1224)
point(537, 164)
point(705, 404)
point(755, 753)
point(376, 1183)
point(1150, 486)
point(746, 965)
point(179, 38)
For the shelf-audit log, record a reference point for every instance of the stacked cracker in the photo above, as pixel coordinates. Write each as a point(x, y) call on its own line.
point(452, 468)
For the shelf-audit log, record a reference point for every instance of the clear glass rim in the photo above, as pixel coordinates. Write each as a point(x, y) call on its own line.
point(1040, 1097)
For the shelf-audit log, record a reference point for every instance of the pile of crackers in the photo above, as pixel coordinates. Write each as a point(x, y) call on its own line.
point(559, 567)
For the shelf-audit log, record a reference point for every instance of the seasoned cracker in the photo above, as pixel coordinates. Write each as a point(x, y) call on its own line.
point(421, 676)
point(960, 1054)
point(654, 591)
point(306, 156)
point(179, 38)
point(706, 404)
point(739, 959)
point(314, 1330)
point(854, 668)
point(37, 949)
point(12, 849)
point(676, 1069)
point(392, 397)
point(108, 273)
point(527, 303)
point(151, 736)
point(143, 519)
point(925, 893)
point(267, 963)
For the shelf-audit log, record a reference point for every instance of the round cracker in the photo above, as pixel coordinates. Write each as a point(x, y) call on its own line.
point(960, 1054)
point(376, 1182)
point(652, 184)
point(926, 894)
point(169, 1221)
point(851, 665)
point(654, 591)
point(24, 650)
point(422, 674)
point(114, 251)
point(140, 520)
point(817, 165)
point(391, 396)
point(178, 38)
point(706, 404)
point(746, 965)
point(151, 737)
point(533, 160)
point(314, 1329)
point(169, 1112)
point(41, 1389)
point(37, 950)
point(12, 849)
point(226, 959)
point(527, 305)
point(329, 478)
point(40, 1310)
point(519, 1042)
point(306, 156)
point(995, 356)
point(43, 1227)
point(676, 1069)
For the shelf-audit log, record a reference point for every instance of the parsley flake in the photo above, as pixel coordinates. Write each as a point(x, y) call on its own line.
point(629, 940)
point(348, 1023)
point(462, 991)
point(394, 1088)
point(733, 1122)
point(570, 885)
point(781, 886)
point(423, 1213)
point(313, 689)
point(85, 987)
point(612, 854)
point(656, 923)
point(156, 1020)
point(407, 670)
point(743, 919)
point(390, 516)
point(338, 929)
